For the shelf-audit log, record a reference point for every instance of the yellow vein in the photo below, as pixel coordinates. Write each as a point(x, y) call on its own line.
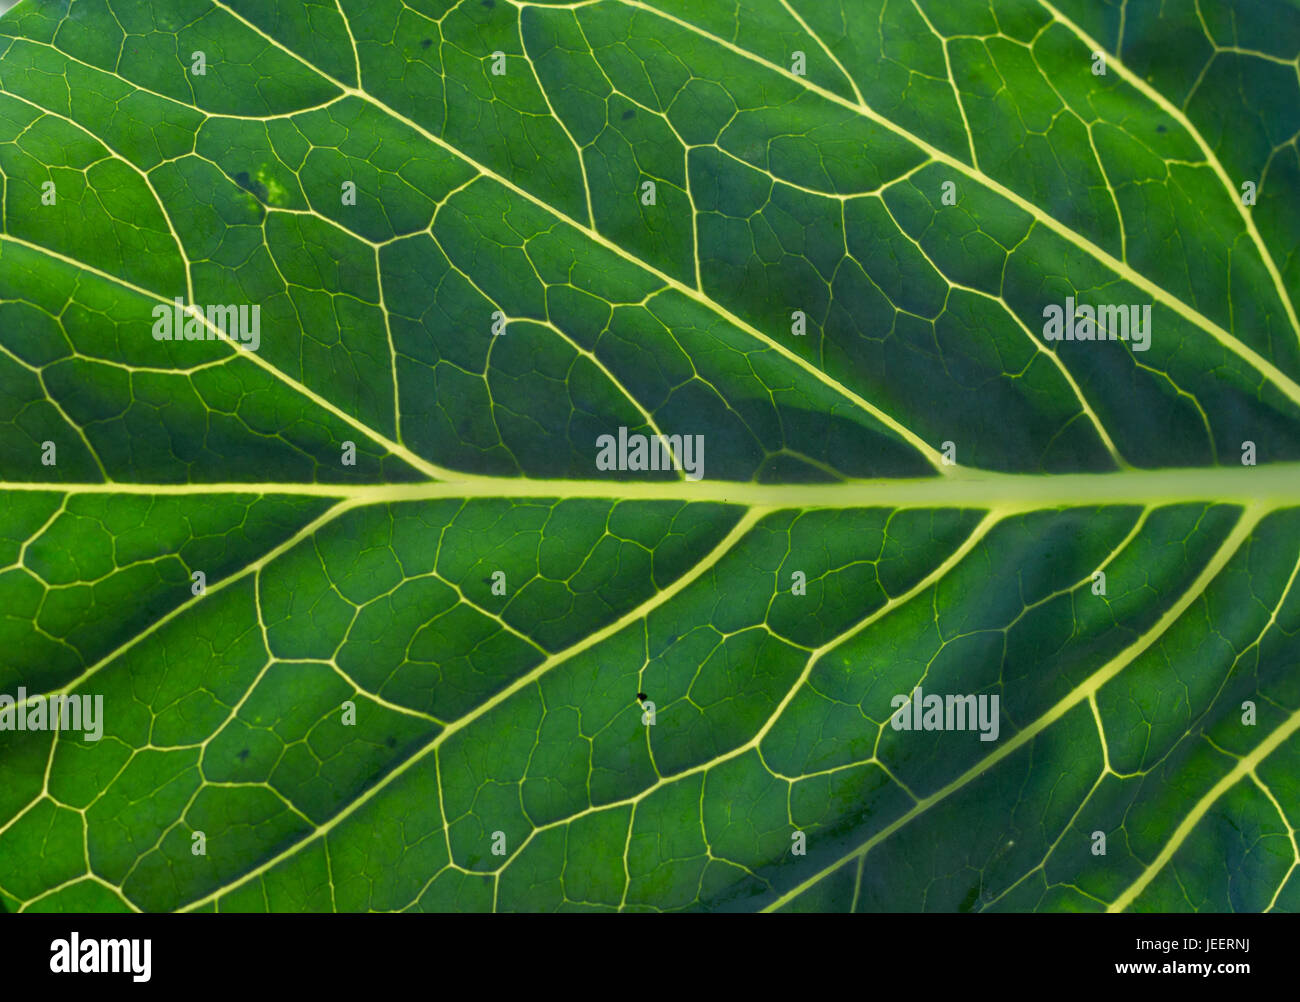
point(1114, 61)
point(923, 447)
point(1290, 833)
point(1039, 347)
point(933, 577)
point(1245, 525)
point(1244, 768)
point(826, 49)
point(707, 564)
point(1283, 382)
point(952, 82)
point(143, 175)
point(1273, 484)
point(306, 532)
point(396, 448)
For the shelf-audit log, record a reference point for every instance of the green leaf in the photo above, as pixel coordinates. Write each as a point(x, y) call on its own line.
point(441, 657)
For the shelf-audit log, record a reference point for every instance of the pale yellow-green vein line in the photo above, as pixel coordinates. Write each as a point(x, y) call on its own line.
point(1283, 382)
point(1276, 485)
point(1114, 62)
point(1240, 532)
point(1240, 771)
point(921, 446)
point(706, 565)
point(396, 448)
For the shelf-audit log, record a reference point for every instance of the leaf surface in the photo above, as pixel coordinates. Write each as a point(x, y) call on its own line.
point(860, 212)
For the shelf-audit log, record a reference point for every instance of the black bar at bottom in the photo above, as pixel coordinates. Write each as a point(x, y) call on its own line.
point(597, 953)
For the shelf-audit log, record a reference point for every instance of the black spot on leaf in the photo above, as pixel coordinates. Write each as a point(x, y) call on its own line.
point(630, 113)
point(425, 42)
point(391, 742)
point(255, 188)
point(243, 755)
point(1161, 128)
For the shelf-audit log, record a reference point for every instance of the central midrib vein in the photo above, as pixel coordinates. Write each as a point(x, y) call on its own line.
point(1275, 485)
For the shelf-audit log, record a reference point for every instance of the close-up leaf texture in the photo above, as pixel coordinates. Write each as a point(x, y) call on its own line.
point(378, 624)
